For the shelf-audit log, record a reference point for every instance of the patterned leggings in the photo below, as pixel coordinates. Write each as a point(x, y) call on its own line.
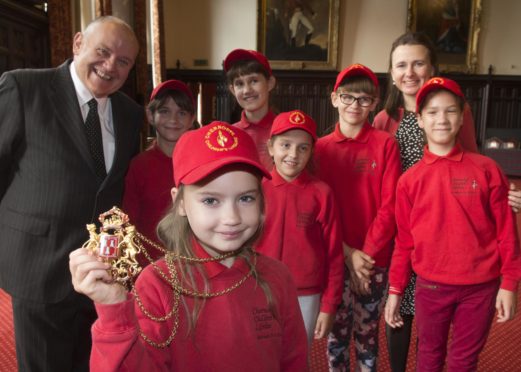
point(358, 316)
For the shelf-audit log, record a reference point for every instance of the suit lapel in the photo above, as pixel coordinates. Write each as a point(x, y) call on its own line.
point(67, 109)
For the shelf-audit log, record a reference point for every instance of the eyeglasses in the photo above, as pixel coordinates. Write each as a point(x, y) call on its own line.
point(363, 101)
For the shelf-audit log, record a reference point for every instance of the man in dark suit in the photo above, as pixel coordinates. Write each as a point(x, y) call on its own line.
point(54, 179)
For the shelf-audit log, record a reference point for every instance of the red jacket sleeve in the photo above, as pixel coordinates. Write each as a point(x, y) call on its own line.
point(506, 231)
point(383, 228)
point(332, 295)
point(381, 121)
point(400, 270)
point(467, 133)
point(116, 344)
point(386, 123)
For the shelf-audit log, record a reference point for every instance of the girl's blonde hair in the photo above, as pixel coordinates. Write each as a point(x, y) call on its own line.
point(177, 236)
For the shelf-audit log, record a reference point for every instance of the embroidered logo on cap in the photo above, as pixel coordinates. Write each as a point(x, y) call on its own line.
point(437, 81)
point(296, 117)
point(221, 138)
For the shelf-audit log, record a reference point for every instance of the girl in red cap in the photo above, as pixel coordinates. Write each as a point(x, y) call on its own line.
point(212, 304)
point(171, 111)
point(456, 231)
point(302, 228)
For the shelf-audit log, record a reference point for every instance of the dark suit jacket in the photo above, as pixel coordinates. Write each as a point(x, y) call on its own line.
point(48, 186)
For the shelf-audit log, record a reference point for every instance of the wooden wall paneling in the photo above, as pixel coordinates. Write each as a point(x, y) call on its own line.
point(506, 106)
point(24, 36)
point(495, 101)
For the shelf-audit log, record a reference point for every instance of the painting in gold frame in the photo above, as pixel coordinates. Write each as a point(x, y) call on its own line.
point(299, 34)
point(453, 26)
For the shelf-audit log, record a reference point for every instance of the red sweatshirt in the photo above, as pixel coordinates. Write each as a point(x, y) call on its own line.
point(234, 332)
point(363, 173)
point(454, 223)
point(147, 193)
point(302, 230)
point(260, 132)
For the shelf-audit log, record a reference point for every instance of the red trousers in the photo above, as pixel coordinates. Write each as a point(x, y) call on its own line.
point(469, 308)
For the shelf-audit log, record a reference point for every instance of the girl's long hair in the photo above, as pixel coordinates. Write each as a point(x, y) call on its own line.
point(394, 99)
point(177, 236)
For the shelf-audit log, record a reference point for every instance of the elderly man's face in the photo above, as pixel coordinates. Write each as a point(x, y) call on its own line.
point(103, 56)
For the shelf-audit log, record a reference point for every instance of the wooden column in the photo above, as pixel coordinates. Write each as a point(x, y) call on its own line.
point(141, 66)
point(60, 30)
point(103, 8)
point(158, 42)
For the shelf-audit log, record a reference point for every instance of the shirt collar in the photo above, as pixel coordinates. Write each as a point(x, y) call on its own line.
point(362, 136)
point(301, 180)
point(456, 154)
point(83, 94)
point(214, 268)
point(154, 146)
point(265, 122)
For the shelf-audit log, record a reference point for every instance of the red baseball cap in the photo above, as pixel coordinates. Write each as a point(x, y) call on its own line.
point(246, 55)
point(355, 70)
point(172, 85)
point(200, 152)
point(295, 119)
point(437, 83)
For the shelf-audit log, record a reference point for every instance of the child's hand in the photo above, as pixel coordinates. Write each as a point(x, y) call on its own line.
point(505, 305)
point(514, 198)
point(90, 277)
point(324, 324)
point(360, 263)
point(392, 311)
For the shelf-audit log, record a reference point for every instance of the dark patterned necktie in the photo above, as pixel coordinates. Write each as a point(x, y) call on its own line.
point(93, 131)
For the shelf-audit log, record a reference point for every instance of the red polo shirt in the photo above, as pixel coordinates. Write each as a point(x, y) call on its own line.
point(233, 331)
point(260, 132)
point(454, 223)
point(147, 194)
point(363, 173)
point(302, 230)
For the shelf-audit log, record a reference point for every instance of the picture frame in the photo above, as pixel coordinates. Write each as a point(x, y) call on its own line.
point(453, 26)
point(300, 34)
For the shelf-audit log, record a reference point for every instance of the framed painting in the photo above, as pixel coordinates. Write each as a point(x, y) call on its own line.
point(299, 34)
point(453, 26)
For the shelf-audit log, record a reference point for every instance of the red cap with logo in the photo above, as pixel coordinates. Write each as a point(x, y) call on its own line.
point(172, 85)
point(246, 55)
point(200, 152)
point(295, 119)
point(355, 70)
point(437, 83)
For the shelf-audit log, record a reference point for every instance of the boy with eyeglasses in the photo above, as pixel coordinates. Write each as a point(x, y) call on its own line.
point(362, 166)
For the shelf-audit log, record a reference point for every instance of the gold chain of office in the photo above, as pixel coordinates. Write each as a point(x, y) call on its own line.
point(177, 288)
point(118, 242)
